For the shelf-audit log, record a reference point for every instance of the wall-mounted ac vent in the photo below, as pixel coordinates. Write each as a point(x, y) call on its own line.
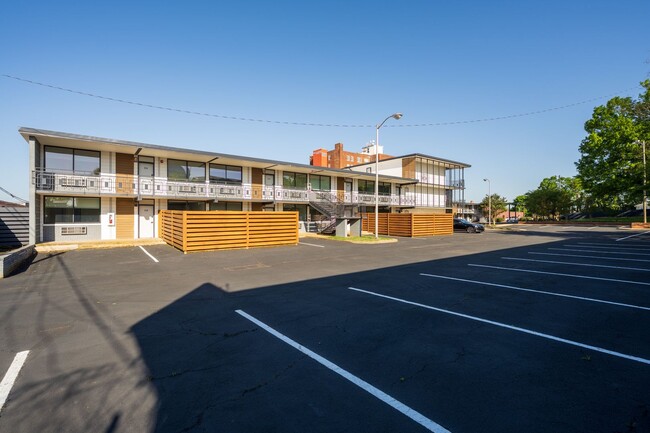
point(74, 230)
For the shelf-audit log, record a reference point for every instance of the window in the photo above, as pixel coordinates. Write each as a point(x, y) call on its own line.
point(294, 180)
point(71, 210)
point(366, 186)
point(229, 174)
point(358, 159)
point(384, 188)
point(320, 183)
point(72, 160)
point(227, 205)
point(300, 208)
point(185, 170)
point(185, 205)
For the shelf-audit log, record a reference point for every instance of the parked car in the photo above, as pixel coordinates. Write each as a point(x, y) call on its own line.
point(512, 221)
point(466, 226)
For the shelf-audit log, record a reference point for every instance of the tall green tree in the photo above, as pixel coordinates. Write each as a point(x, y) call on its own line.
point(493, 207)
point(610, 167)
point(555, 196)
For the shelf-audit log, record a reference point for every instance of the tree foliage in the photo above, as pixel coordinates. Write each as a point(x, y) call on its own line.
point(611, 167)
point(555, 196)
point(497, 205)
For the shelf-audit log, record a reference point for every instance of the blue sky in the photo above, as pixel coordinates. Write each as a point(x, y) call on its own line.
point(339, 62)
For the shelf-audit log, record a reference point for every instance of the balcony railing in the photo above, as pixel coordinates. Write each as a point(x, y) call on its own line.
point(156, 187)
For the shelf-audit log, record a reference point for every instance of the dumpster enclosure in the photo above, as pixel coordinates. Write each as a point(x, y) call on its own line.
point(409, 224)
point(217, 230)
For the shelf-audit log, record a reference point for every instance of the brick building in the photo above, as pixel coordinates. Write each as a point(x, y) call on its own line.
point(339, 158)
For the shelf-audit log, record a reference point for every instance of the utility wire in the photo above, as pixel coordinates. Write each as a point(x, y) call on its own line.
point(327, 125)
point(13, 196)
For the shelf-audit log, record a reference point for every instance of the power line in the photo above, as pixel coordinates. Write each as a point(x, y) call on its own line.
point(14, 196)
point(326, 125)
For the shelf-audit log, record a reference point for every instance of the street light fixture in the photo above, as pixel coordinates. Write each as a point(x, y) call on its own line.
point(489, 201)
point(395, 116)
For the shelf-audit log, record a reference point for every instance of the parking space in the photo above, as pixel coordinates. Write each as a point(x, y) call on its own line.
point(532, 329)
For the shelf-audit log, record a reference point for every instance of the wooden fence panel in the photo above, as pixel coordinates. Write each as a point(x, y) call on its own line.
point(409, 225)
point(216, 230)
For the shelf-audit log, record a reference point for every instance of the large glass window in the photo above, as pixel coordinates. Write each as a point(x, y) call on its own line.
point(68, 160)
point(294, 180)
point(71, 210)
point(366, 186)
point(185, 170)
point(229, 174)
point(384, 188)
point(300, 208)
point(226, 205)
point(185, 205)
point(320, 183)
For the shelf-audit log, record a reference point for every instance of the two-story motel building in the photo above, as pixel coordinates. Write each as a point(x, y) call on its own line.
point(90, 188)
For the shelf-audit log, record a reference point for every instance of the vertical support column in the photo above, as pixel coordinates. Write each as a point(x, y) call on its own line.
point(184, 219)
point(34, 200)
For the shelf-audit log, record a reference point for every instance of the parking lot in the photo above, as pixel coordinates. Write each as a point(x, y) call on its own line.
point(533, 329)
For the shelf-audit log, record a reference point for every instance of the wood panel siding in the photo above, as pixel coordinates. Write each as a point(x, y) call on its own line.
point(124, 173)
point(409, 225)
point(124, 218)
point(408, 168)
point(216, 230)
point(257, 176)
point(340, 189)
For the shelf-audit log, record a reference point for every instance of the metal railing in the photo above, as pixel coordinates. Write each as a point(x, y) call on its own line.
point(158, 187)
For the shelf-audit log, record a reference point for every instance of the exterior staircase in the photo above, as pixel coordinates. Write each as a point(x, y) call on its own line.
point(327, 204)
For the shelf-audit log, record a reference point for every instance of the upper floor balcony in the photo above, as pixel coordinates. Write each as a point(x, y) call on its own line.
point(47, 182)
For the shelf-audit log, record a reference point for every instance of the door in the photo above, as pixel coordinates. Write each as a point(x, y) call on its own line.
point(145, 221)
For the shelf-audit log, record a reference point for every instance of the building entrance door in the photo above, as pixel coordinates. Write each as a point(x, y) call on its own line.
point(145, 221)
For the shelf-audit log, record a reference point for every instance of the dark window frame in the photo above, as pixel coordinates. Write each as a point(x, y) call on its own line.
point(76, 214)
point(187, 171)
point(96, 172)
point(227, 180)
point(320, 178)
point(293, 177)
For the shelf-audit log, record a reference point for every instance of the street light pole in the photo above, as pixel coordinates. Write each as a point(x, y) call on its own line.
point(645, 182)
point(489, 201)
point(395, 116)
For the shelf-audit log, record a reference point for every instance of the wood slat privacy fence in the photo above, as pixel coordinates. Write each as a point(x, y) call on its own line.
point(409, 225)
point(216, 230)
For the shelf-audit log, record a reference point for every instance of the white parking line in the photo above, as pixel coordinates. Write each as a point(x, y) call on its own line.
point(312, 245)
point(147, 253)
point(577, 264)
point(513, 328)
point(610, 247)
point(600, 252)
point(632, 236)
point(395, 404)
point(591, 257)
point(9, 379)
point(560, 274)
point(541, 292)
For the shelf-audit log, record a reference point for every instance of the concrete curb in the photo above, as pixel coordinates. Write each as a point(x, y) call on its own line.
point(12, 261)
